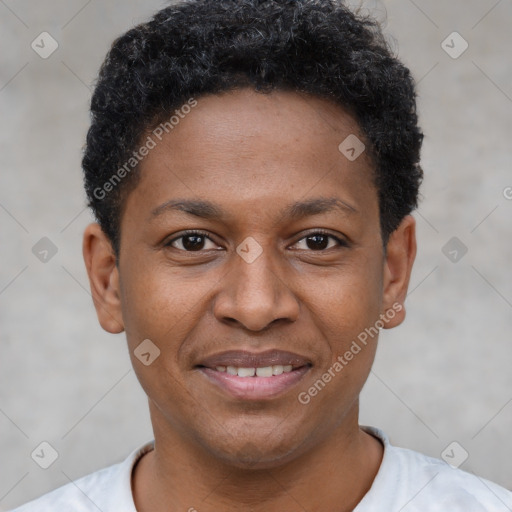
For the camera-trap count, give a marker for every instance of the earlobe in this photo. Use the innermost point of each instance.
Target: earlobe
(400, 255)
(103, 273)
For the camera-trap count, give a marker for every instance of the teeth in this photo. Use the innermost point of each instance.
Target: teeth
(246, 372)
(277, 369)
(265, 371)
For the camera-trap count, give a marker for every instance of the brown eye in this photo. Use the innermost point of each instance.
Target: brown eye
(317, 242)
(191, 241)
(320, 241)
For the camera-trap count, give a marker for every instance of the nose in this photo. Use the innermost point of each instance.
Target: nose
(255, 294)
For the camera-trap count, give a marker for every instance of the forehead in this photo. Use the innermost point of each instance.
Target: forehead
(264, 150)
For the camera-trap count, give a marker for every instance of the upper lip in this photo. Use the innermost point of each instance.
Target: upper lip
(246, 359)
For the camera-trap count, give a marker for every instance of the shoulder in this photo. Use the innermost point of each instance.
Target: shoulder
(417, 482)
(437, 481)
(80, 494)
(108, 490)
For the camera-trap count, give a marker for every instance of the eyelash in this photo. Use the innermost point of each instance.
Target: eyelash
(341, 242)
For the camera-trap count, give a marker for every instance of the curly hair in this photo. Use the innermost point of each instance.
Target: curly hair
(197, 47)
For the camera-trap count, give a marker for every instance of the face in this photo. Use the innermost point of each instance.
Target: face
(251, 244)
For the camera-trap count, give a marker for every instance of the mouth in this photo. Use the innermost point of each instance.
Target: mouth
(250, 376)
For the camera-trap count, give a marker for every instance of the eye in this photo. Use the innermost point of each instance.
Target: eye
(191, 241)
(319, 241)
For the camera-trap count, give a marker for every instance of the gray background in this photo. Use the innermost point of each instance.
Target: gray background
(443, 376)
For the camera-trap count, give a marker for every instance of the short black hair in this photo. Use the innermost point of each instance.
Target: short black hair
(198, 47)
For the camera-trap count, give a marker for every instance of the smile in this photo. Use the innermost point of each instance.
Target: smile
(264, 371)
(250, 376)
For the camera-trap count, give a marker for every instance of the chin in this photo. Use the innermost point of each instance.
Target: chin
(261, 450)
(253, 457)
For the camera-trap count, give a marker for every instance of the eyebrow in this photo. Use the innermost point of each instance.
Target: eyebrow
(293, 211)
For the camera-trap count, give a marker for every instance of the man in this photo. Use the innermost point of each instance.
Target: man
(253, 166)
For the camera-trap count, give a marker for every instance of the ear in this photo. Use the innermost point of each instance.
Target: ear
(400, 254)
(100, 261)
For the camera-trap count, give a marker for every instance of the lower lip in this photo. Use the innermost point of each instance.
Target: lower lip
(255, 388)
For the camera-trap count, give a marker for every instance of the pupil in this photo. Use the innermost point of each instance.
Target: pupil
(316, 241)
(194, 246)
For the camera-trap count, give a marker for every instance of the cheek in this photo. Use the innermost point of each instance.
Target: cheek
(161, 306)
(346, 302)
(345, 307)
(159, 303)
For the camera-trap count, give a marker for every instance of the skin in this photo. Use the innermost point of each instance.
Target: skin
(252, 155)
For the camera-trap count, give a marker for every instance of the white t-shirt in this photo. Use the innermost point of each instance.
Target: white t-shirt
(407, 481)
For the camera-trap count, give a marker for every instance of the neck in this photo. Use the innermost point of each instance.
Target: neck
(182, 474)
